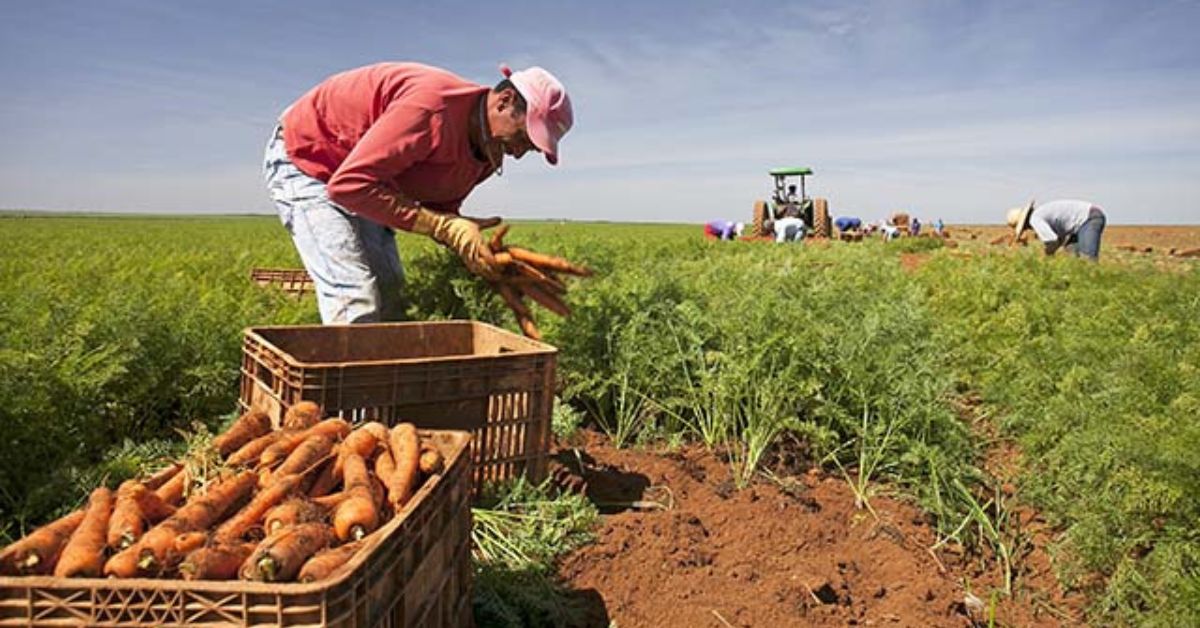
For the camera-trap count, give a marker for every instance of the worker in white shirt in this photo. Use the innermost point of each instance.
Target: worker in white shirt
(1058, 223)
(787, 229)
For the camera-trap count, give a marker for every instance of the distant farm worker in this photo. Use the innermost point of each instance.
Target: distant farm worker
(939, 226)
(399, 146)
(1062, 222)
(786, 229)
(847, 223)
(723, 229)
(888, 231)
(914, 227)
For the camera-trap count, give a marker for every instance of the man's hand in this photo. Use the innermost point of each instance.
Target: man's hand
(461, 235)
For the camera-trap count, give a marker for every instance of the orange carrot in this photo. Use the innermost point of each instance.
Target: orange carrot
(301, 416)
(172, 491)
(520, 310)
(135, 507)
(512, 299)
(329, 501)
(325, 563)
(357, 515)
(529, 328)
(123, 564)
(84, 552)
(249, 426)
(279, 450)
(188, 542)
(198, 514)
(303, 458)
(361, 441)
(529, 275)
(379, 498)
(548, 262)
(554, 286)
(153, 507)
(547, 300)
(250, 452)
(217, 562)
(431, 461)
(325, 482)
(536, 274)
(292, 512)
(496, 244)
(380, 431)
(406, 453)
(279, 557)
(334, 429)
(37, 552)
(235, 527)
(384, 467)
(163, 476)
(126, 523)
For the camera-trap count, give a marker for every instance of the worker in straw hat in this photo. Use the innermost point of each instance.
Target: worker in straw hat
(399, 146)
(1062, 222)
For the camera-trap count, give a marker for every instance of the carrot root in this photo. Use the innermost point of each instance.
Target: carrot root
(247, 427)
(83, 554)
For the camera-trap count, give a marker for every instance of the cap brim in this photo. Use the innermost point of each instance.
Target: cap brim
(541, 137)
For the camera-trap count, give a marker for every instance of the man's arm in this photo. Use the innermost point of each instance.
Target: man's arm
(401, 137)
(1045, 233)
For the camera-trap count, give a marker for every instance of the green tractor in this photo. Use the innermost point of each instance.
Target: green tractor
(785, 203)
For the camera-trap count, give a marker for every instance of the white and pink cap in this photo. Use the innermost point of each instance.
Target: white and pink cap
(548, 116)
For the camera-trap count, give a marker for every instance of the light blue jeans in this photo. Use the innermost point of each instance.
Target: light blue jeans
(353, 261)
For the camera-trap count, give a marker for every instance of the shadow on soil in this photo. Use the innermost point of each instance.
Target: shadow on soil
(594, 614)
(609, 488)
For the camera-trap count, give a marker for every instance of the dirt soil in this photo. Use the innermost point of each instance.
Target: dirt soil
(679, 545)
(912, 261)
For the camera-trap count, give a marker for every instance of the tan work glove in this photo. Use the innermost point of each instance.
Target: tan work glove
(461, 235)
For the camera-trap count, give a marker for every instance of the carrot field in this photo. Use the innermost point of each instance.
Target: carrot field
(975, 383)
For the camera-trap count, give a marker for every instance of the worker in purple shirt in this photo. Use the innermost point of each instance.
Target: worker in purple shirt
(723, 229)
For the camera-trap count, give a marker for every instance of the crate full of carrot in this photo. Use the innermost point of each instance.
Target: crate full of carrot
(293, 504)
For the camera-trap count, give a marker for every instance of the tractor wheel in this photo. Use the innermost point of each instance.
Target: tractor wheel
(760, 216)
(822, 227)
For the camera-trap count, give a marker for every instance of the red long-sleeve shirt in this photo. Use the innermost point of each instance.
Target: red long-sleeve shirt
(388, 128)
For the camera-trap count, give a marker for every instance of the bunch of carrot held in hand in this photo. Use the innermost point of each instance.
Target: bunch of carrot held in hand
(287, 504)
(534, 275)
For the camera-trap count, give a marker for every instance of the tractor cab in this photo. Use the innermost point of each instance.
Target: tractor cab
(786, 203)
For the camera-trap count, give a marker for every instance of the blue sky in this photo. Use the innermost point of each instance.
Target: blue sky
(942, 108)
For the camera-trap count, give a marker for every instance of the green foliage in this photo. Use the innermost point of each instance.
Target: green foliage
(566, 420)
(120, 329)
(1096, 368)
(520, 532)
(114, 332)
(916, 245)
(738, 344)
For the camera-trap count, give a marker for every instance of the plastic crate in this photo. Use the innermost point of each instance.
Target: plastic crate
(460, 375)
(291, 280)
(415, 572)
